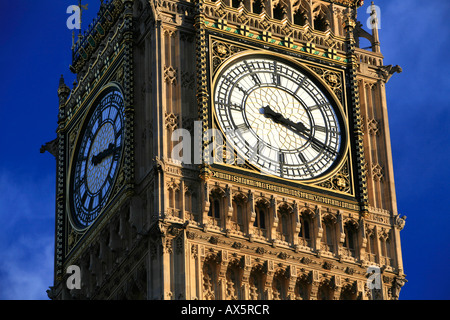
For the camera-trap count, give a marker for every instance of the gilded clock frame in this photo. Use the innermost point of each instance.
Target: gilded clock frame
(344, 162)
(72, 163)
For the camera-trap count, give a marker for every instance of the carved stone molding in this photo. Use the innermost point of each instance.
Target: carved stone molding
(170, 75)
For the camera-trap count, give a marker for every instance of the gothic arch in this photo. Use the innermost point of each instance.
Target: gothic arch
(174, 197)
(371, 247)
(302, 288)
(322, 17)
(191, 204)
(385, 247)
(279, 285)
(307, 228)
(351, 228)
(258, 6)
(349, 292)
(325, 290)
(279, 9)
(329, 239)
(217, 205)
(301, 12)
(285, 222)
(240, 211)
(262, 222)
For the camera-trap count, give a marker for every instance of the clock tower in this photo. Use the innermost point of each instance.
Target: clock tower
(234, 149)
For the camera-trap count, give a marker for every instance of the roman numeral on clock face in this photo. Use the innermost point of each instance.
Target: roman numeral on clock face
(242, 127)
(320, 129)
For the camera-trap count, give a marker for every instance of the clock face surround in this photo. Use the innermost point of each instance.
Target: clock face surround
(278, 118)
(97, 158)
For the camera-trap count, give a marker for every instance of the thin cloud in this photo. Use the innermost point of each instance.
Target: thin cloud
(26, 237)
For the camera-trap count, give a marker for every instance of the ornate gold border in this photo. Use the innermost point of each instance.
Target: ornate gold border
(343, 114)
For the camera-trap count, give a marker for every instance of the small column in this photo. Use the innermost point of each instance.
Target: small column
(375, 23)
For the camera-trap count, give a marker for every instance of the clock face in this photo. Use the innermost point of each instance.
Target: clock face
(277, 118)
(98, 158)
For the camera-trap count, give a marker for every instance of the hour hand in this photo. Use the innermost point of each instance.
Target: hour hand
(96, 160)
(270, 114)
(298, 127)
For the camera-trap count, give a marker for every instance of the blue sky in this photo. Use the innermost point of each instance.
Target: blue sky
(35, 51)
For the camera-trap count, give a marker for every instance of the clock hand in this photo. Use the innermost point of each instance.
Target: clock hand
(270, 114)
(96, 160)
(278, 118)
(298, 128)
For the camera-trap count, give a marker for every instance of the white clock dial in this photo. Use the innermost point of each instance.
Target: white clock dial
(277, 118)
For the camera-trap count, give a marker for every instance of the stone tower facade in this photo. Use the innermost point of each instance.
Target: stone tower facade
(165, 228)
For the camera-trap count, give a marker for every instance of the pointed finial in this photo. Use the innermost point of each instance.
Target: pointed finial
(63, 90)
(61, 81)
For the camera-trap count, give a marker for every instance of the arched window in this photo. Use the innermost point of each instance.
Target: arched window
(348, 292)
(178, 204)
(321, 21)
(301, 17)
(216, 203)
(324, 292)
(278, 11)
(278, 288)
(257, 6)
(171, 198)
(385, 244)
(388, 248)
(283, 225)
(190, 205)
(301, 289)
(306, 232)
(350, 231)
(236, 3)
(371, 245)
(328, 235)
(260, 220)
(187, 201)
(174, 198)
(215, 209)
(239, 212)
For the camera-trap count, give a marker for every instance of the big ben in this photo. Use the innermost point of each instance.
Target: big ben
(227, 150)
